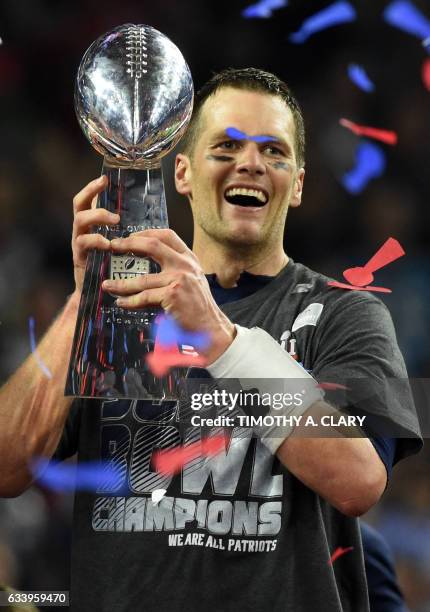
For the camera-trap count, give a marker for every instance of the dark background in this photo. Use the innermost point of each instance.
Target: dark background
(45, 160)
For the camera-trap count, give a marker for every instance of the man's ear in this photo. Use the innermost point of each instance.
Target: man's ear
(296, 196)
(183, 174)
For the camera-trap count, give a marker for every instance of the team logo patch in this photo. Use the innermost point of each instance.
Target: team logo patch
(302, 288)
(309, 316)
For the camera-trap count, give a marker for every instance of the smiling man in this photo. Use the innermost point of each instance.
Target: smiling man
(255, 526)
(239, 216)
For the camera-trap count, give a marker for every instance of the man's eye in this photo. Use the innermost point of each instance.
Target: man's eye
(227, 144)
(274, 150)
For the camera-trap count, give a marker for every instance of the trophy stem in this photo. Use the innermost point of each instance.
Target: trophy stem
(137, 195)
(111, 344)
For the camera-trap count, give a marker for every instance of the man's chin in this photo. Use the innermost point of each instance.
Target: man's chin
(238, 235)
(243, 237)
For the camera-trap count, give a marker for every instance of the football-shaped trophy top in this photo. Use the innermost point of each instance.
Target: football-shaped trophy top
(134, 95)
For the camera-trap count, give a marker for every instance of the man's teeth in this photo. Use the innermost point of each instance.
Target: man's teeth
(255, 193)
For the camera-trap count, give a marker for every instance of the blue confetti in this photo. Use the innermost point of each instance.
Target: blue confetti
(405, 16)
(42, 366)
(263, 9)
(339, 12)
(170, 333)
(112, 337)
(236, 134)
(263, 138)
(70, 477)
(358, 75)
(370, 164)
(89, 330)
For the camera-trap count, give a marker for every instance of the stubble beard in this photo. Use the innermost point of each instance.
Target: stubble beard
(241, 244)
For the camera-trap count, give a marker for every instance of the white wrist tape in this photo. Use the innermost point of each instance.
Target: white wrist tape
(254, 356)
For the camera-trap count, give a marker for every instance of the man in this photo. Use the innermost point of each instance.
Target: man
(255, 526)
(384, 592)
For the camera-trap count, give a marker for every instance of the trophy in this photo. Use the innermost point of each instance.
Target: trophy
(133, 100)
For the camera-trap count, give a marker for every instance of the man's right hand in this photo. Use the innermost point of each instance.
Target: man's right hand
(87, 215)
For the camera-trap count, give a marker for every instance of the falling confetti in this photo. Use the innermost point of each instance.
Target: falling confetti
(425, 73)
(405, 16)
(163, 358)
(263, 9)
(70, 477)
(360, 276)
(363, 275)
(339, 552)
(171, 461)
(157, 496)
(339, 12)
(331, 386)
(169, 333)
(236, 134)
(358, 75)
(386, 136)
(34, 350)
(370, 164)
(356, 288)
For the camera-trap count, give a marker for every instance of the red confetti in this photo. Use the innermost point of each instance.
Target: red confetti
(363, 275)
(354, 288)
(386, 136)
(331, 386)
(338, 553)
(171, 461)
(165, 357)
(214, 445)
(160, 363)
(425, 73)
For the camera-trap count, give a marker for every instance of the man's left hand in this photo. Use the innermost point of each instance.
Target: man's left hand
(181, 287)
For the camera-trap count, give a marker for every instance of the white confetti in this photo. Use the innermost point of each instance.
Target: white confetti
(158, 495)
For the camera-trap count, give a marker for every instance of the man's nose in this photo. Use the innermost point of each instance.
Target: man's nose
(250, 160)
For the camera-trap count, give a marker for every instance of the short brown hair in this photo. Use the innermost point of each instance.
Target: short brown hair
(251, 79)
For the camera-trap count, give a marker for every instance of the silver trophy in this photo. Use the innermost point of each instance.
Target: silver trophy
(133, 100)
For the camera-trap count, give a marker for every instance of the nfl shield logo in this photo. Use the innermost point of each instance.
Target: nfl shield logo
(127, 266)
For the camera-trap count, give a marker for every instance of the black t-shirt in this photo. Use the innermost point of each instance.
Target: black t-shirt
(237, 531)
(248, 284)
